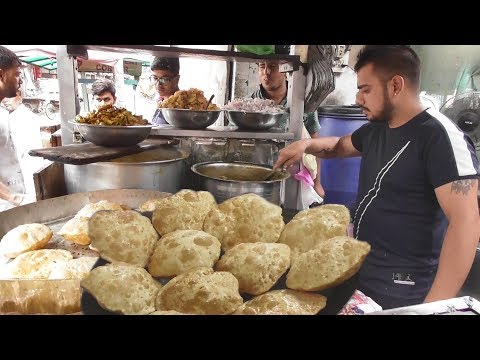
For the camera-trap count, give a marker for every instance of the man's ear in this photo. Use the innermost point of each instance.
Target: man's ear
(2, 72)
(398, 83)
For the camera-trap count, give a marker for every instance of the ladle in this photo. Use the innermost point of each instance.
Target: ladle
(209, 101)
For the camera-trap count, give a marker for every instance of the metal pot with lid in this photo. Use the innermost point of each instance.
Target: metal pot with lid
(162, 169)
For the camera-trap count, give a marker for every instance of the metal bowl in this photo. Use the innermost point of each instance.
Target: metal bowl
(113, 136)
(255, 120)
(190, 119)
(226, 180)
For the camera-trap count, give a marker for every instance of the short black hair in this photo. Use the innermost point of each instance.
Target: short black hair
(391, 60)
(8, 59)
(102, 85)
(282, 49)
(166, 64)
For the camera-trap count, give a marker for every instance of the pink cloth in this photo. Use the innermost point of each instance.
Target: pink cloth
(359, 304)
(304, 175)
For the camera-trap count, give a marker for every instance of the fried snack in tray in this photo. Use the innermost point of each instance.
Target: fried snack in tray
(123, 288)
(23, 238)
(122, 236)
(328, 264)
(247, 218)
(313, 226)
(185, 210)
(257, 266)
(191, 99)
(200, 291)
(182, 250)
(76, 229)
(111, 115)
(283, 302)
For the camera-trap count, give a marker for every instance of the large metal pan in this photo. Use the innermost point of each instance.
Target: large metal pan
(63, 207)
(56, 296)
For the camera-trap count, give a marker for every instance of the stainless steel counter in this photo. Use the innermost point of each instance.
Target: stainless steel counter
(457, 306)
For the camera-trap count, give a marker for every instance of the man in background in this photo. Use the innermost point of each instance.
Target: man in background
(103, 91)
(24, 127)
(165, 76)
(273, 86)
(12, 188)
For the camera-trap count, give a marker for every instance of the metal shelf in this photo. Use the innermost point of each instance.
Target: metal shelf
(222, 132)
(289, 62)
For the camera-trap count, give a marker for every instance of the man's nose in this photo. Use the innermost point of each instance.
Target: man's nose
(358, 99)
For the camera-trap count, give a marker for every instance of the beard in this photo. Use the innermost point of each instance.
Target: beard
(12, 92)
(386, 111)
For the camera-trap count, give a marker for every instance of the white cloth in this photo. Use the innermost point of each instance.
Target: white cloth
(19, 133)
(10, 171)
(307, 195)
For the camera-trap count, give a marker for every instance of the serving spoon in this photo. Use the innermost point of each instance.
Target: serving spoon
(209, 101)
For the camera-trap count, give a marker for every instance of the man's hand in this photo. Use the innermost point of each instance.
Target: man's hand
(291, 154)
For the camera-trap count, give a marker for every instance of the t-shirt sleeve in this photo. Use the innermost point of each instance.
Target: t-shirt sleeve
(311, 122)
(449, 156)
(360, 135)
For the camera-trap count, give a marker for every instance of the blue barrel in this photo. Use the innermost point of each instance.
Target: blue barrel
(339, 177)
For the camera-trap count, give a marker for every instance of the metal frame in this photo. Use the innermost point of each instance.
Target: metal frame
(68, 81)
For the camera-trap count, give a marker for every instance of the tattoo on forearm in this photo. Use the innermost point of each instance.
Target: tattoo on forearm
(462, 186)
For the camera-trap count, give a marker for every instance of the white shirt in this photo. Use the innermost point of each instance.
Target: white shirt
(23, 128)
(10, 170)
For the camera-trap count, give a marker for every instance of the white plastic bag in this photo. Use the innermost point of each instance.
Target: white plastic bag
(305, 176)
(308, 195)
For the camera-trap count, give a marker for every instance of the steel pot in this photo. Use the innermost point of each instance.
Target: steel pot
(226, 180)
(161, 169)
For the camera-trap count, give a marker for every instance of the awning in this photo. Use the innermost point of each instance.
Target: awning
(45, 62)
(97, 62)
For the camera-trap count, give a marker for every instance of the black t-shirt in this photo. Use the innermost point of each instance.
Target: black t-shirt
(397, 210)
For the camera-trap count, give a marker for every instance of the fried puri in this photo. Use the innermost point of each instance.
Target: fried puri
(185, 210)
(200, 291)
(25, 238)
(257, 266)
(123, 289)
(36, 264)
(76, 229)
(73, 269)
(283, 302)
(311, 227)
(328, 264)
(182, 250)
(122, 236)
(246, 218)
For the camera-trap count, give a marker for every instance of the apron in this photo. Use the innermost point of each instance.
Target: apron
(10, 170)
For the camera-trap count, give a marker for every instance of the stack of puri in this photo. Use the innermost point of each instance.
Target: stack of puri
(211, 257)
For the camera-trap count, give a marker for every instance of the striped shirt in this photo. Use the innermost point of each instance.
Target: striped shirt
(310, 120)
(397, 209)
